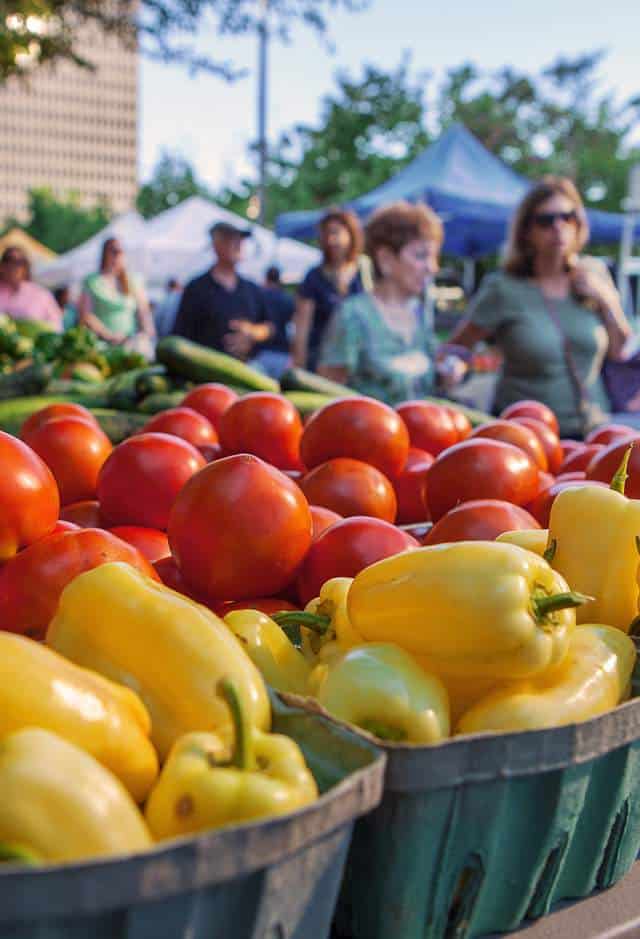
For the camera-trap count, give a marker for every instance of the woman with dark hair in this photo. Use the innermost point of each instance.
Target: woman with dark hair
(554, 317)
(112, 304)
(19, 296)
(326, 285)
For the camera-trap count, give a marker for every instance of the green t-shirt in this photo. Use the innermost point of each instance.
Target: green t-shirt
(380, 361)
(116, 310)
(512, 311)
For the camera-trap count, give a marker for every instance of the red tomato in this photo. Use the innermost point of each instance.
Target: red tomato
(606, 463)
(211, 451)
(570, 446)
(549, 440)
(545, 480)
(211, 399)
(540, 508)
(480, 469)
(610, 433)
(265, 424)
(83, 514)
(268, 605)
(358, 428)
(411, 488)
(431, 426)
(31, 583)
(535, 409)
(479, 520)
(347, 548)
(351, 487)
(461, 422)
(239, 529)
(52, 411)
(74, 450)
(141, 479)
(29, 499)
(575, 474)
(169, 573)
(518, 435)
(61, 525)
(185, 423)
(150, 542)
(580, 459)
(322, 518)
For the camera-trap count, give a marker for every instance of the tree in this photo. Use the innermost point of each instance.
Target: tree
(369, 128)
(173, 181)
(61, 224)
(40, 31)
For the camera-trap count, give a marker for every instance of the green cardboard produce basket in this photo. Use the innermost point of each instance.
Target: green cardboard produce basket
(480, 833)
(277, 879)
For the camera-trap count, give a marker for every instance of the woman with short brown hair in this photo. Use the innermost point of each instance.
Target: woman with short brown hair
(554, 316)
(19, 296)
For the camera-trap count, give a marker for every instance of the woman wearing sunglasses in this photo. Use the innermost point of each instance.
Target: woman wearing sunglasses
(112, 303)
(554, 317)
(19, 296)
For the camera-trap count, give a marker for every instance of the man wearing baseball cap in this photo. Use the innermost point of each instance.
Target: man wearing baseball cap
(219, 308)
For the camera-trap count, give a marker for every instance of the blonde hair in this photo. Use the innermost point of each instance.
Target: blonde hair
(396, 225)
(122, 277)
(519, 255)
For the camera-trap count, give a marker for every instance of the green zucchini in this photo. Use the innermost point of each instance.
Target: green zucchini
(308, 401)
(299, 379)
(151, 385)
(30, 380)
(200, 364)
(474, 416)
(116, 424)
(154, 403)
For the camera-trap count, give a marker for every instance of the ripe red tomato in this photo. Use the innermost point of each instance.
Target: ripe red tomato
(150, 542)
(350, 487)
(358, 428)
(480, 468)
(185, 423)
(518, 435)
(580, 459)
(74, 450)
(239, 529)
(431, 427)
(411, 488)
(29, 499)
(141, 479)
(265, 424)
(575, 474)
(211, 451)
(606, 463)
(479, 520)
(347, 548)
(62, 409)
(61, 525)
(268, 605)
(461, 422)
(540, 508)
(549, 440)
(570, 446)
(322, 518)
(535, 409)
(32, 581)
(610, 433)
(544, 481)
(84, 514)
(211, 399)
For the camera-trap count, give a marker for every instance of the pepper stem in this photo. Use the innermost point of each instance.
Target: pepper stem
(619, 480)
(550, 551)
(316, 622)
(544, 605)
(242, 756)
(12, 851)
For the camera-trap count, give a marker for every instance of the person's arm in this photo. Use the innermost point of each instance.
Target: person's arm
(302, 321)
(145, 317)
(590, 285)
(468, 334)
(486, 313)
(86, 317)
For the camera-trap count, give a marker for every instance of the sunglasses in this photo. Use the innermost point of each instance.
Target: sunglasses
(547, 219)
(15, 261)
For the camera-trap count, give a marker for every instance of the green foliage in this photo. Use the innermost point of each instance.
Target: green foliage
(173, 181)
(61, 224)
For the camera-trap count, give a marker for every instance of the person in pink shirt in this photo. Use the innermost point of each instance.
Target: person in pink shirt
(19, 296)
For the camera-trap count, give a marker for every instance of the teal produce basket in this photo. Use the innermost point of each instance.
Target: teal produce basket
(277, 879)
(480, 833)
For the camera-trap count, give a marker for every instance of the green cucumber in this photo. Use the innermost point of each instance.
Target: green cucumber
(299, 379)
(30, 380)
(116, 424)
(201, 364)
(161, 401)
(308, 401)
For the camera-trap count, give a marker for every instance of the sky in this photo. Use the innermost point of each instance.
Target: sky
(211, 123)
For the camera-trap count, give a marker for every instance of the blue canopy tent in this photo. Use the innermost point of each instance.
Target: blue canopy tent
(473, 191)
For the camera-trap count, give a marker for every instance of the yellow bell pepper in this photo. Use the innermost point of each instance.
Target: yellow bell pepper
(324, 619)
(593, 678)
(59, 804)
(531, 539)
(472, 608)
(594, 534)
(281, 665)
(206, 784)
(383, 690)
(170, 650)
(40, 688)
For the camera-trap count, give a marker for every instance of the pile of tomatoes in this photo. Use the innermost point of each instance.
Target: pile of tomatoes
(233, 501)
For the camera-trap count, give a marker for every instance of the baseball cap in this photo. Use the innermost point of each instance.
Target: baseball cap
(226, 228)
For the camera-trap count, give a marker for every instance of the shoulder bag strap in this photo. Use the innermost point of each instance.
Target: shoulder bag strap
(582, 398)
